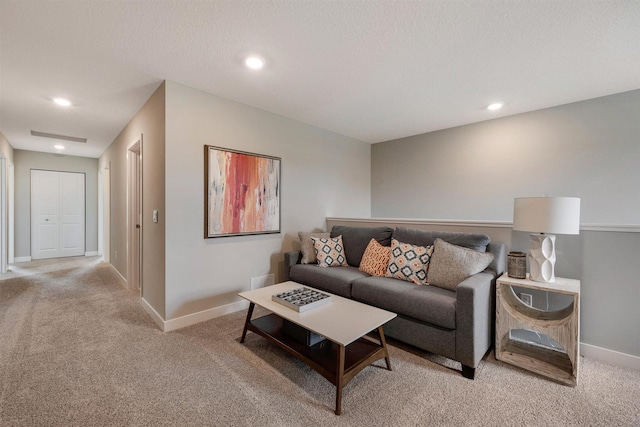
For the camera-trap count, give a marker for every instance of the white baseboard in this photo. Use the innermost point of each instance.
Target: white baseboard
(119, 275)
(192, 319)
(611, 357)
(91, 253)
(201, 316)
(22, 259)
(153, 313)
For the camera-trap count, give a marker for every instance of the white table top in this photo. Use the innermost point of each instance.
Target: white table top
(561, 285)
(342, 320)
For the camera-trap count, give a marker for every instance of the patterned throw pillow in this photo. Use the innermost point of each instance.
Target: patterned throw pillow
(330, 251)
(409, 262)
(451, 264)
(375, 258)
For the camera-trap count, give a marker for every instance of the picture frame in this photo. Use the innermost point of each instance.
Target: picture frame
(242, 193)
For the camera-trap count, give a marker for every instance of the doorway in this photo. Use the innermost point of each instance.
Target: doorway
(57, 214)
(134, 215)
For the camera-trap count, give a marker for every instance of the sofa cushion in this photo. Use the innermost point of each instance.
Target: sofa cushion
(477, 242)
(330, 252)
(409, 262)
(425, 303)
(336, 280)
(356, 239)
(375, 259)
(306, 246)
(451, 264)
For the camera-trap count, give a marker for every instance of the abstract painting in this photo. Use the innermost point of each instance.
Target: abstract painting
(242, 193)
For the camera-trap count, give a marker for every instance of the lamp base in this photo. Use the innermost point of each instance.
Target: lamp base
(542, 258)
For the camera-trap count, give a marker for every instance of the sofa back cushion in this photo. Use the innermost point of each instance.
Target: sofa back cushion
(477, 242)
(356, 239)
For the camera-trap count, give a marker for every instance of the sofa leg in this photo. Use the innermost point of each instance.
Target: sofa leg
(468, 372)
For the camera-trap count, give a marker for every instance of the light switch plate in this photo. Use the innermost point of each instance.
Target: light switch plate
(155, 215)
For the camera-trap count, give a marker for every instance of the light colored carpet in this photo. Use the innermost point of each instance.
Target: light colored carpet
(76, 349)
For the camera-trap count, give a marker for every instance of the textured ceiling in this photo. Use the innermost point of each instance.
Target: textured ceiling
(372, 70)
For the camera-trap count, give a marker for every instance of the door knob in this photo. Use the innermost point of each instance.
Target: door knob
(137, 225)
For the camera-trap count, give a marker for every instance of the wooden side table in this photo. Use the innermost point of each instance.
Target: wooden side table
(554, 350)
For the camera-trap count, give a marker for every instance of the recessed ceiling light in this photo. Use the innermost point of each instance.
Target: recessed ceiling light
(62, 102)
(58, 147)
(254, 62)
(495, 106)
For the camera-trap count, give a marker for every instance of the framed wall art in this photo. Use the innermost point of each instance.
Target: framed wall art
(242, 193)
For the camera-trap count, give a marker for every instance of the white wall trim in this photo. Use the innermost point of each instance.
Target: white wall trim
(91, 253)
(621, 228)
(22, 259)
(611, 357)
(201, 316)
(153, 313)
(407, 221)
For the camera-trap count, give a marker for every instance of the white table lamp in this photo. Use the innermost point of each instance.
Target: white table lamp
(553, 215)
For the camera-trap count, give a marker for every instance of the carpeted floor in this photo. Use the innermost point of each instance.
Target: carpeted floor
(77, 349)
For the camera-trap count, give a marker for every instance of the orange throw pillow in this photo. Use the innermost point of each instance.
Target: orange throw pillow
(375, 259)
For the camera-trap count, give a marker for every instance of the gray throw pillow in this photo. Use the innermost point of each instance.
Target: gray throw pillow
(451, 264)
(307, 249)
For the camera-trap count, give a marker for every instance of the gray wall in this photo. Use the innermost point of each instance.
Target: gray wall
(150, 123)
(323, 174)
(589, 149)
(24, 161)
(6, 150)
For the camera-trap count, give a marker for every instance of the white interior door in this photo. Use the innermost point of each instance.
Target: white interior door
(57, 214)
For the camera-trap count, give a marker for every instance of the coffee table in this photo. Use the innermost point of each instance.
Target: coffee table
(343, 322)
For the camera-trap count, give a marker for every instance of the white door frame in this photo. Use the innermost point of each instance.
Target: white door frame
(11, 241)
(4, 241)
(106, 216)
(134, 215)
(100, 212)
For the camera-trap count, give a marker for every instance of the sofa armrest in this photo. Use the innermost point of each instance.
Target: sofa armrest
(290, 259)
(475, 315)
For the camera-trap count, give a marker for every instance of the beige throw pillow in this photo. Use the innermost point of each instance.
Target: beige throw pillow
(451, 264)
(307, 249)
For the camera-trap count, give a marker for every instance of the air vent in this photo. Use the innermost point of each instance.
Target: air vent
(54, 136)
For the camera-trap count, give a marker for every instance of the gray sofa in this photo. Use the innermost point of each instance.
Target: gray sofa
(455, 324)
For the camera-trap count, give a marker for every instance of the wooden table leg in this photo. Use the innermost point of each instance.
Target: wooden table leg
(339, 379)
(383, 342)
(246, 322)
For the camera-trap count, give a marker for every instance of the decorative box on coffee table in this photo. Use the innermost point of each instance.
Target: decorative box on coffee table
(542, 341)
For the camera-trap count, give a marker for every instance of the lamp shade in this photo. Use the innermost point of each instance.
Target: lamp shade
(553, 215)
